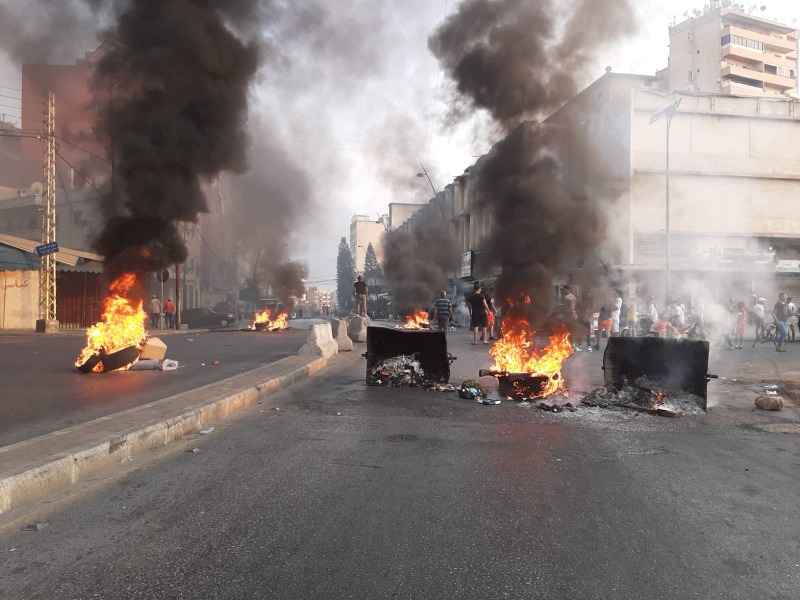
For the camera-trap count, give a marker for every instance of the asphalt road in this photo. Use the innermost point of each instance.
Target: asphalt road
(355, 492)
(41, 391)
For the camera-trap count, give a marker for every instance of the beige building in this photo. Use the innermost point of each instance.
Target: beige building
(365, 231)
(730, 52)
(734, 186)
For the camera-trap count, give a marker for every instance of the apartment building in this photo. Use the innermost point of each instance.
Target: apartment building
(734, 184)
(730, 52)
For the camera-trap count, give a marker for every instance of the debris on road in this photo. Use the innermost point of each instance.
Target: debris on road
(398, 371)
(646, 395)
(769, 402)
(36, 526)
(193, 450)
(148, 364)
(440, 387)
(169, 365)
(206, 431)
(471, 390)
(488, 402)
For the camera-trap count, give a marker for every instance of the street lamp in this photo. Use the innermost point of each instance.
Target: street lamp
(667, 112)
(424, 174)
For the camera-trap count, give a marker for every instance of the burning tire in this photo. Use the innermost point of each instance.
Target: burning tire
(121, 358)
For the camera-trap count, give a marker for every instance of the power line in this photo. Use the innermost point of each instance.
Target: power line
(210, 249)
(12, 97)
(8, 87)
(82, 149)
(66, 194)
(81, 175)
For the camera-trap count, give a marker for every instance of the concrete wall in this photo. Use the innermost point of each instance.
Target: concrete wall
(19, 299)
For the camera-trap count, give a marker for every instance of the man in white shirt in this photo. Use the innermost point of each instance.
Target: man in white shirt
(615, 312)
(758, 311)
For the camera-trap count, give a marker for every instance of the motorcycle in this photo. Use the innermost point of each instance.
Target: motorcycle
(676, 331)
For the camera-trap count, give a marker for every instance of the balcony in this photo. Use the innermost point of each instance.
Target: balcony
(754, 78)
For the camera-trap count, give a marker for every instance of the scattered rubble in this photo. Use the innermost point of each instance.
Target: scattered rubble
(206, 431)
(36, 526)
(439, 387)
(398, 371)
(646, 395)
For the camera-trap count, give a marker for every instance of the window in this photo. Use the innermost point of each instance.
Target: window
(691, 76)
(738, 40)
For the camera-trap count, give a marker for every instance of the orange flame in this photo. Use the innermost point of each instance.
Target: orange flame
(280, 322)
(417, 320)
(121, 326)
(516, 352)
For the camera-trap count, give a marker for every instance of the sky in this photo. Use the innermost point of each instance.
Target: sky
(353, 98)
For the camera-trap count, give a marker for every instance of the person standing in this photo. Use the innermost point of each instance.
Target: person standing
(616, 312)
(360, 291)
(169, 313)
(780, 315)
(478, 309)
(632, 315)
(791, 322)
(490, 316)
(443, 310)
(571, 312)
(586, 319)
(155, 311)
(758, 311)
(741, 321)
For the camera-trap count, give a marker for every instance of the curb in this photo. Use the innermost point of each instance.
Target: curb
(56, 471)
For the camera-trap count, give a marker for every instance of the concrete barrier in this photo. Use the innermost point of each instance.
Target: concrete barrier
(339, 328)
(357, 329)
(320, 342)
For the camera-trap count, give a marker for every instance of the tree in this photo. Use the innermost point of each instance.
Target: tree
(372, 270)
(345, 276)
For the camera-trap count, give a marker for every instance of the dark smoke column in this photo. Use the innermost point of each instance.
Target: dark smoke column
(520, 60)
(178, 116)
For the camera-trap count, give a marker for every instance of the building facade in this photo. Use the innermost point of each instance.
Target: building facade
(734, 184)
(363, 232)
(730, 52)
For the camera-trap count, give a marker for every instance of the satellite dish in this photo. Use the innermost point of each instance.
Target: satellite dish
(37, 188)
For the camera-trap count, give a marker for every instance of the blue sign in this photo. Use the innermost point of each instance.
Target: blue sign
(45, 249)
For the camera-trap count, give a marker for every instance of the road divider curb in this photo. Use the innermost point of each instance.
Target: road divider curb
(32, 469)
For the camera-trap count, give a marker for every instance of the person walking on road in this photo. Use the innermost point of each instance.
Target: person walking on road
(478, 309)
(443, 309)
(360, 291)
(155, 311)
(780, 315)
(169, 313)
(490, 320)
(758, 311)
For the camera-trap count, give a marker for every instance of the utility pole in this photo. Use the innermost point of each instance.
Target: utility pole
(47, 322)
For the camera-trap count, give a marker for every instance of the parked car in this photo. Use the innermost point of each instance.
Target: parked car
(197, 318)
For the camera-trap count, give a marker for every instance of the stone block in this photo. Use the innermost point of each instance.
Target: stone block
(357, 328)
(320, 342)
(769, 403)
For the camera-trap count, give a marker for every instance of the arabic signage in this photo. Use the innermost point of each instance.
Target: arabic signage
(743, 255)
(466, 264)
(46, 249)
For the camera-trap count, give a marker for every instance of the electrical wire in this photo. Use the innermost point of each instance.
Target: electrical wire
(82, 149)
(66, 194)
(210, 249)
(81, 175)
(8, 87)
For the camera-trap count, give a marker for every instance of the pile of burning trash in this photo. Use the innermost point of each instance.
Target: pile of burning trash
(120, 341)
(416, 320)
(263, 322)
(398, 371)
(644, 394)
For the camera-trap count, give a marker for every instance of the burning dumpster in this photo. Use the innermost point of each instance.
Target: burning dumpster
(419, 350)
(673, 364)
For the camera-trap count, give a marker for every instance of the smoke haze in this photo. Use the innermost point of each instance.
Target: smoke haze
(521, 60)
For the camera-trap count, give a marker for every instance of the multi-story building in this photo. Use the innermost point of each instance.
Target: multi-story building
(734, 183)
(363, 232)
(728, 51)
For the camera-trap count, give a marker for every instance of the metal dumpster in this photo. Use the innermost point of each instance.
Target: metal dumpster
(430, 348)
(679, 364)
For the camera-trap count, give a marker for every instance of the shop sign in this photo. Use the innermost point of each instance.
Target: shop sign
(466, 264)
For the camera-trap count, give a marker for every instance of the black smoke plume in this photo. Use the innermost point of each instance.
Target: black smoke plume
(178, 116)
(288, 283)
(416, 264)
(522, 59)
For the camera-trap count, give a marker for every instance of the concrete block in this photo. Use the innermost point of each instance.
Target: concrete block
(154, 349)
(357, 329)
(320, 342)
(339, 329)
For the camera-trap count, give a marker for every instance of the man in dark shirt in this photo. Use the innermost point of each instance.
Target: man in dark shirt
(478, 309)
(443, 310)
(360, 291)
(781, 315)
